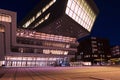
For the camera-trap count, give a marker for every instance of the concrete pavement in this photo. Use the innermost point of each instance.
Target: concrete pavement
(62, 73)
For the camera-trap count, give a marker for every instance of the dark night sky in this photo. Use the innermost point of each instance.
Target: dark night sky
(107, 24)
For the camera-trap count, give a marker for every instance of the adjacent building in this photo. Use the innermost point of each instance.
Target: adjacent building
(48, 35)
(93, 49)
(115, 52)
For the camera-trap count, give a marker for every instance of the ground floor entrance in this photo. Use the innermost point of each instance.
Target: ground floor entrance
(35, 61)
(29, 63)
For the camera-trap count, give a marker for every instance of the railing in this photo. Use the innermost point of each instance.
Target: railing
(43, 36)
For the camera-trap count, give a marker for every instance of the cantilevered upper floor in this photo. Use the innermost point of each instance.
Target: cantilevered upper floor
(71, 18)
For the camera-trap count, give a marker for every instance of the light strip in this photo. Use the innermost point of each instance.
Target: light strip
(38, 14)
(44, 36)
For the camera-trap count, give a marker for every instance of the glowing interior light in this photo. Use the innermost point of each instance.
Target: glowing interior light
(80, 11)
(54, 0)
(44, 36)
(56, 52)
(42, 20)
(29, 22)
(47, 16)
(39, 14)
(5, 18)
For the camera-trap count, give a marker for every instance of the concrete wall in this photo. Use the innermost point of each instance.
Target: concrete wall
(2, 49)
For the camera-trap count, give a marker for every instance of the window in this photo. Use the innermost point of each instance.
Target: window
(100, 44)
(94, 42)
(42, 20)
(95, 55)
(56, 52)
(54, 44)
(94, 50)
(5, 18)
(38, 14)
(38, 35)
(81, 10)
(29, 22)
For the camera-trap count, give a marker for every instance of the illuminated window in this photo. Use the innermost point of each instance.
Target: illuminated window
(95, 55)
(67, 10)
(44, 36)
(38, 14)
(76, 9)
(73, 6)
(54, 44)
(81, 12)
(42, 20)
(47, 16)
(56, 52)
(94, 50)
(5, 18)
(48, 5)
(29, 22)
(69, 3)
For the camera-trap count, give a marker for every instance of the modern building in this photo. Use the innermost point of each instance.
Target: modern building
(94, 50)
(73, 15)
(47, 36)
(115, 52)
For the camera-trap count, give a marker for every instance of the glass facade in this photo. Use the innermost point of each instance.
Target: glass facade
(55, 44)
(44, 36)
(52, 41)
(5, 18)
(31, 58)
(56, 52)
(81, 12)
(31, 61)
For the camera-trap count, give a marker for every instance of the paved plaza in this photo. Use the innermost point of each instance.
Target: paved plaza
(61, 73)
